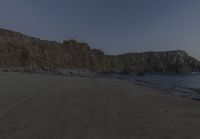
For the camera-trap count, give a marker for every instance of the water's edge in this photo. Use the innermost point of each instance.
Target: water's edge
(183, 91)
(187, 92)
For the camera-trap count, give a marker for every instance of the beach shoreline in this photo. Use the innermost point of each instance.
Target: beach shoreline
(45, 106)
(190, 93)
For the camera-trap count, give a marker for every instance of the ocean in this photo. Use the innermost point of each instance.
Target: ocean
(186, 85)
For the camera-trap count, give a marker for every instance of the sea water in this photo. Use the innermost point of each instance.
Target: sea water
(187, 84)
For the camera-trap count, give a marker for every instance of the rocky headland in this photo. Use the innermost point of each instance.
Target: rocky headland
(20, 52)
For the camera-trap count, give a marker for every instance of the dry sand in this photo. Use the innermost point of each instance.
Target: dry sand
(54, 107)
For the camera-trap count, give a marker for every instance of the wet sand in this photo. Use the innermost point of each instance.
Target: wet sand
(34, 106)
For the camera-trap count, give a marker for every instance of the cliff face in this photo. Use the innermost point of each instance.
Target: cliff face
(18, 51)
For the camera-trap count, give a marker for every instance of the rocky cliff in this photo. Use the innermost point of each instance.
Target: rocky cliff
(18, 51)
(169, 61)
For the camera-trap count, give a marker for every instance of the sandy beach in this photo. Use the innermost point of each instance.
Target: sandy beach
(34, 106)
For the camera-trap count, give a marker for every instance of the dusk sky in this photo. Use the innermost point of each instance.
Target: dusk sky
(115, 26)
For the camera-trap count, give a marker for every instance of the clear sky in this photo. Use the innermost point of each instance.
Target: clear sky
(115, 26)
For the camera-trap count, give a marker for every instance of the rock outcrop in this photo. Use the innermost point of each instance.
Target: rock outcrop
(21, 52)
(170, 61)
